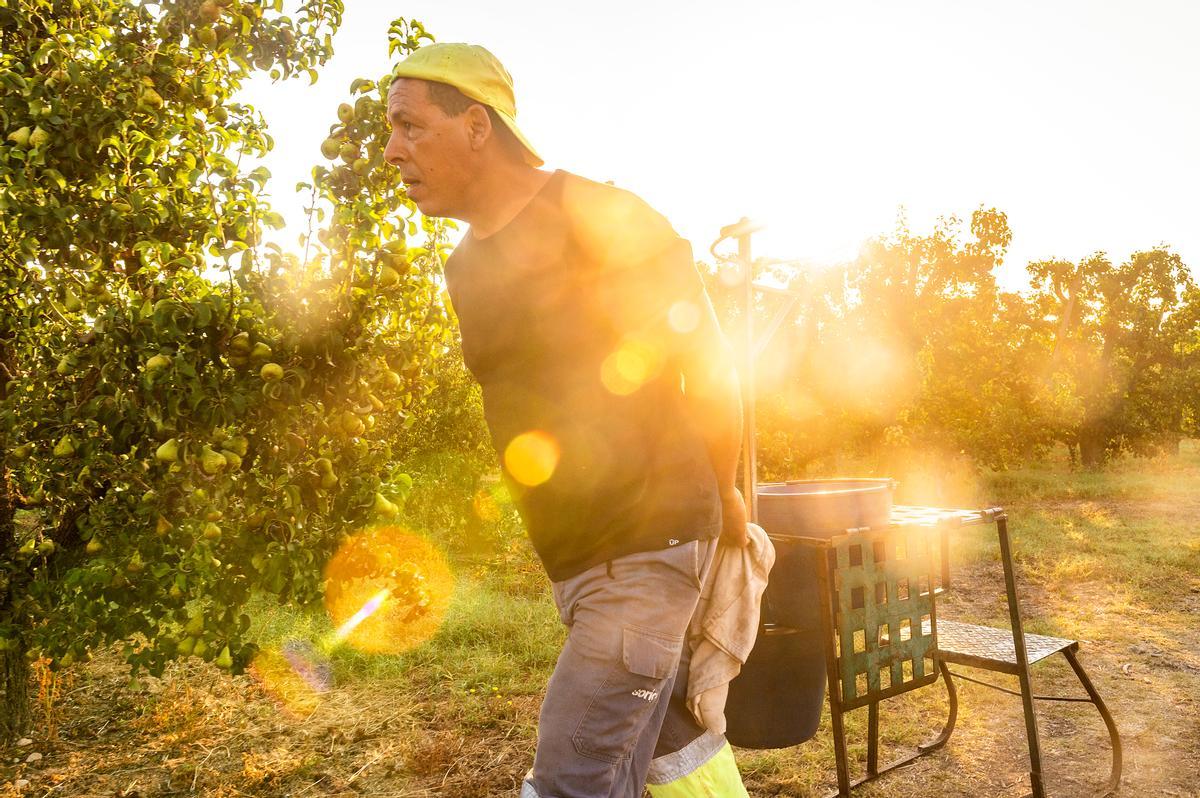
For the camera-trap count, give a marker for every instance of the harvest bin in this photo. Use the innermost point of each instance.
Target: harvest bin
(776, 700)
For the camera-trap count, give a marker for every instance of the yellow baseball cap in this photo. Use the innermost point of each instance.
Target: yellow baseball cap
(476, 73)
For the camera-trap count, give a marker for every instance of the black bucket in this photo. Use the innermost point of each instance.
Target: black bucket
(776, 700)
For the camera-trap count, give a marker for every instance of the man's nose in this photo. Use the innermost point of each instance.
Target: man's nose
(394, 152)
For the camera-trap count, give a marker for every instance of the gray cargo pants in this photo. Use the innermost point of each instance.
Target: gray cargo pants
(614, 701)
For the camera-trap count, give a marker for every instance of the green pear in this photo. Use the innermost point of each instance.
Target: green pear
(323, 465)
(237, 444)
(224, 660)
(65, 447)
(151, 99)
(260, 351)
(211, 531)
(294, 444)
(38, 137)
(232, 459)
(352, 424)
(210, 461)
(240, 343)
(71, 300)
(168, 452)
(388, 277)
(348, 152)
(210, 11)
(195, 624)
(391, 379)
(162, 526)
(20, 136)
(345, 113)
(157, 362)
(22, 451)
(186, 645)
(330, 147)
(271, 372)
(328, 480)
(384, 507)
(360, 166)
(45, 547)
(94, 546)
(200, 649)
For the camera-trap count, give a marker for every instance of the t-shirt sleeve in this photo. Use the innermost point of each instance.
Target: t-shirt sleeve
(649, 284)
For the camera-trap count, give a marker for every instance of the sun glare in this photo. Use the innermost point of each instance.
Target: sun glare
(387, 591)
(629, 367)
(532, 457)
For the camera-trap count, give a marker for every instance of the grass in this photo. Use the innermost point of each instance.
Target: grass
(1110, 557)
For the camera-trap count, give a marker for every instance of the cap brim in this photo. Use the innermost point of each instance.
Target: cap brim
(531, 155)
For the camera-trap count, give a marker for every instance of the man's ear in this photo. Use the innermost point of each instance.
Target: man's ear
(479, 126)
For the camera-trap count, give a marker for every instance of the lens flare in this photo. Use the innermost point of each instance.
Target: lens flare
(531, 457)
(296, 675)
(629, 367)
(387, 590)
(683, 316)
(374, 603)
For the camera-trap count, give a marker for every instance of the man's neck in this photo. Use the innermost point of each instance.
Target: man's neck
(502, 193)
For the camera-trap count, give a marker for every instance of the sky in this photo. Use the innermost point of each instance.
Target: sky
(825, 120)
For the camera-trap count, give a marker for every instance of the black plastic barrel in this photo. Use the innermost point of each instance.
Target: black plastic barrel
(776, 700)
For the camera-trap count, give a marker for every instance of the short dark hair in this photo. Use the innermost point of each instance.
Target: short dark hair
(453, 102)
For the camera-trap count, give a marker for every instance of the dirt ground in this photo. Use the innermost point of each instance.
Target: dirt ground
(199, 731)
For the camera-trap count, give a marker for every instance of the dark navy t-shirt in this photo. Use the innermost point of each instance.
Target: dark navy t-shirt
(575, 318)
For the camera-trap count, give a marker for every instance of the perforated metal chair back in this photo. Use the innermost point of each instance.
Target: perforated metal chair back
(885, 614)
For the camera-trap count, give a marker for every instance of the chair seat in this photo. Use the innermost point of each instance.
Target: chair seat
(990, 648)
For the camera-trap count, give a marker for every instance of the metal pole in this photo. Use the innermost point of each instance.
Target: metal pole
(1022, 657)
(749, 478)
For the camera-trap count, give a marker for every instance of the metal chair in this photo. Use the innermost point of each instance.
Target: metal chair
(883, 636)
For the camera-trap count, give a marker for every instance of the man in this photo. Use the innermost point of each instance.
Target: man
(612, 400)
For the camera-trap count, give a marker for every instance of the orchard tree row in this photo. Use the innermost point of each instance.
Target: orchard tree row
(914, 348)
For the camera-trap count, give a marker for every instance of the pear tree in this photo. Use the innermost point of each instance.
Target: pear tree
(170, 442)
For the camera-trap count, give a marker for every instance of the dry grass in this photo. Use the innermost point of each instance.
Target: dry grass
(1112, 559)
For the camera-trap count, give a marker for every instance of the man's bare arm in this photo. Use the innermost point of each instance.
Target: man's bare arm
(712, 394)
(714, 403)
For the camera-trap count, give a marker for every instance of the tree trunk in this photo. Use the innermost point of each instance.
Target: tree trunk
(14, 708)
(1091, 448)
(14, 714)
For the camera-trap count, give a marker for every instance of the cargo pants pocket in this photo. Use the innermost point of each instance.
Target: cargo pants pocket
(623, 704)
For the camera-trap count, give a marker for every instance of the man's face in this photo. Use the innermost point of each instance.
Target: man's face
(431, 149)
